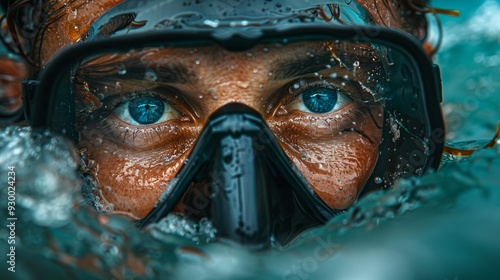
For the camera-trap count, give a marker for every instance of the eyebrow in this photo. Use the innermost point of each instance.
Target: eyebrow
(302, 66)
(172, 73)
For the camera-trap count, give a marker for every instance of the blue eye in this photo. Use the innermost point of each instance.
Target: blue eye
(320, 100)
(146, 110)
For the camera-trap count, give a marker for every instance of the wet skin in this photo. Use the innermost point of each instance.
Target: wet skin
(335, 150)
(11, 74)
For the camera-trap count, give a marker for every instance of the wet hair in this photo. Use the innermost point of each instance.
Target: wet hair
(28, 21)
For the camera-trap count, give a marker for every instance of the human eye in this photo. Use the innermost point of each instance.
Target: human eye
(317, 97)
(145, 110)
(140, 119)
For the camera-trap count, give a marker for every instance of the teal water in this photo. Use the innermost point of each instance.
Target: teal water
(470, 63)
(441, 226)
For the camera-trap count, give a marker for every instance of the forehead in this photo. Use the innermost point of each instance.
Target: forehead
(75, 18)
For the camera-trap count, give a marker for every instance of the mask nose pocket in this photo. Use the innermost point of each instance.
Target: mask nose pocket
(239, 178)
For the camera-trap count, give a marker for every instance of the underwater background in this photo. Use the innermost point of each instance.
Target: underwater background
(444, 225)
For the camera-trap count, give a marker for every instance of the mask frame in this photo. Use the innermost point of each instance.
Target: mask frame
(414, 156)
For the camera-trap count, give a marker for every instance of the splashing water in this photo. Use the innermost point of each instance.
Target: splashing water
(440, 220)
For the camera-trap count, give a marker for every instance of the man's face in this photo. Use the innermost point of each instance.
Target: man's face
(329, 134)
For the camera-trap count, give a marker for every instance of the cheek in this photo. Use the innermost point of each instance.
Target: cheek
(335, 158)
(337, 172)
(132, 181)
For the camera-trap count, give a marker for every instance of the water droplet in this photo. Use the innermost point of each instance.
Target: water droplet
(270, 73)
(355, 64)
(86, 87)
(255, 71)
(296, 86)
(378, 180)
(334, 75)
(150, 75)
(121, 69)
(265, 50)
(232, 67)
(118, 85)
(197, 62)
